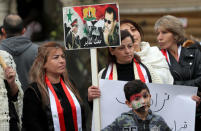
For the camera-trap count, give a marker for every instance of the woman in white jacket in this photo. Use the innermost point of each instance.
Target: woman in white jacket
(11, 94)
(149, 55)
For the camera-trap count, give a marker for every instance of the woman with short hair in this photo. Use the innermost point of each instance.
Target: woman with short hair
(184, 63)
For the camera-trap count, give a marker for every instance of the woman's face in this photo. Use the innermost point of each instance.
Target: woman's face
(165, 38)
(124, 53)
(133, 31)
(56, 63)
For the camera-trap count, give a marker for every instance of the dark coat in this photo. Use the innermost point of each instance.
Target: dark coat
(40, 118)
(188, 70)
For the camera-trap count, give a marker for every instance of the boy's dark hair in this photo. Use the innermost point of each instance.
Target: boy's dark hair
(13, 25)
(134, 87)
(110, 10)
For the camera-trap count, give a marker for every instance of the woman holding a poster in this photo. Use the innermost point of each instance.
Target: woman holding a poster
(184, 62)
(51, 102)
(124, 65)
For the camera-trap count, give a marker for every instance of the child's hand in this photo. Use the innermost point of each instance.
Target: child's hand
(197, 100)
(93, 92)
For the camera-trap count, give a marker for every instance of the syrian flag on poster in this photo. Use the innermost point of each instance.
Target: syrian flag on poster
(91, 26)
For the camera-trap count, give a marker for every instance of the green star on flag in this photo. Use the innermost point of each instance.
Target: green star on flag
(69, 15)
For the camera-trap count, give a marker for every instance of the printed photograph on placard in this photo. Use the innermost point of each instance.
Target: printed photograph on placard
(91, 26)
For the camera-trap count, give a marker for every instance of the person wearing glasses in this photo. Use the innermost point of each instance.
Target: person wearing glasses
(111, 28)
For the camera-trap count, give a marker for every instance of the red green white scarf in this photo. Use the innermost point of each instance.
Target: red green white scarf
(139, 72)
(57, 110)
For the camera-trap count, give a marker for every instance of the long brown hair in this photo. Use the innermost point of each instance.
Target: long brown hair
(37, 72)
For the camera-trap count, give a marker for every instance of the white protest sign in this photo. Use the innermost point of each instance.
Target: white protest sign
(172, 102)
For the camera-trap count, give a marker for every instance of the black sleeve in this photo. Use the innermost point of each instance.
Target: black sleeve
(84, 117)
(104, 73)
(33, 114)
(90, 104)
(11, 98)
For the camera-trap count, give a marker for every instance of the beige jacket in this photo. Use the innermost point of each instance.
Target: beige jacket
(4, 109)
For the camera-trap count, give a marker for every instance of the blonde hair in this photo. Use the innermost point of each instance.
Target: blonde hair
(173, 25)
(37, 72)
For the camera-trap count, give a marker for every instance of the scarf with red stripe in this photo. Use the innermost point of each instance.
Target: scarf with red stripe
(57, 109)
(139, 72)
(166, 54)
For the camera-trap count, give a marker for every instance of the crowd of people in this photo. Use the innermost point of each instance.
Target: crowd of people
(36, 93)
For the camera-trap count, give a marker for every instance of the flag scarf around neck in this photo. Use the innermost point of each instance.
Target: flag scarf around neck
(57, 110)
(166, 54)
(139, 72)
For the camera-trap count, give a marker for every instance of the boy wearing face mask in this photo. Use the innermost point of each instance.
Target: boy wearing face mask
(140, 118)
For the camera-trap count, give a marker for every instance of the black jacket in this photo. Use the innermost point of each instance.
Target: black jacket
(35, 116)
(188, 70)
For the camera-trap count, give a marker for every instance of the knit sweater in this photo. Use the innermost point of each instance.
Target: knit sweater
(4, 110)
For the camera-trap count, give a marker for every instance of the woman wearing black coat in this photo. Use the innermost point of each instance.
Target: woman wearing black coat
(51, 103)
(184, 62)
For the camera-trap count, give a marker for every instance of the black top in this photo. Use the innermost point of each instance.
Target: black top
(188, 70)
(36, 117)
(125, 72)
(65, 105)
